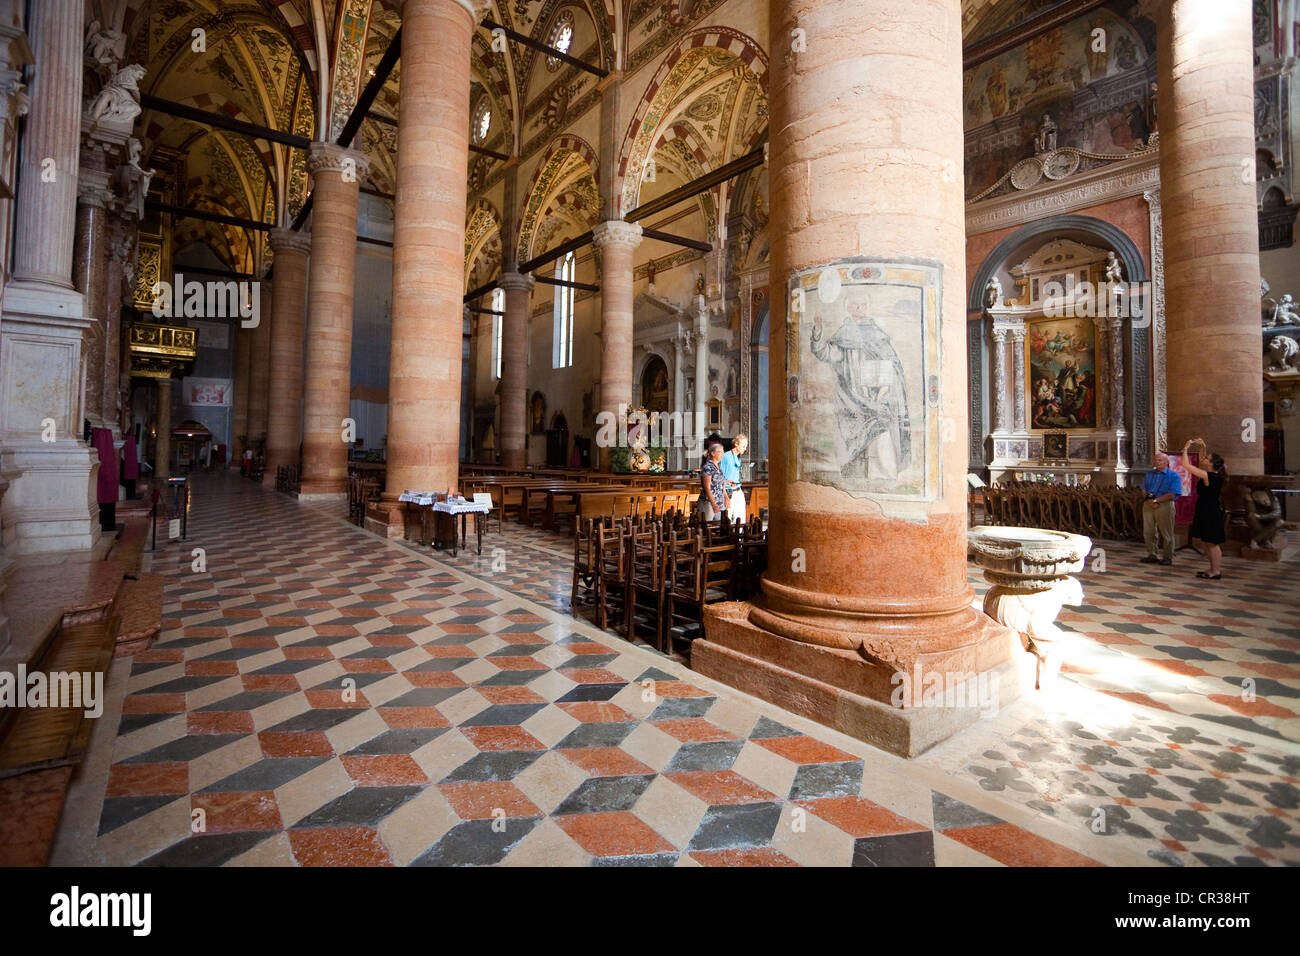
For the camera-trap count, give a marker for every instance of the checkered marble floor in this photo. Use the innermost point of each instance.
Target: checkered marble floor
(320, 696)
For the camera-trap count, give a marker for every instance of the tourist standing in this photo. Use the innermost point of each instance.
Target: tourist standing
(1208, 520)
(1162, 486)
(731, 477)
(713, 496)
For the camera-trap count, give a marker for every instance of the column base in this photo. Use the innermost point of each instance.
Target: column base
(318, 497)
(892, 710)
(49, 509)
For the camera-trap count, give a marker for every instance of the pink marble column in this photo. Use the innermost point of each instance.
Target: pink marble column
(428, 253)
(259, 367)
(514, 367)
(110, 385)
(90, 259)
(162, 459)
(1211, 237)
(617, 242)
(284, 428)
(239, 412)
(336, 174)
(867, 582)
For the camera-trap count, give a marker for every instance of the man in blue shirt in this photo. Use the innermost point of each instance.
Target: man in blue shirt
(731, 476)
(1162, 486)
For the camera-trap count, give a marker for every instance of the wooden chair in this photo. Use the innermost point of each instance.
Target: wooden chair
(645, 581)
(611, 572)
(709, 577)
(584, 563)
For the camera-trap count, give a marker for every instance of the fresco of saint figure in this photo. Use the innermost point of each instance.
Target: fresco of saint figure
(871, 397)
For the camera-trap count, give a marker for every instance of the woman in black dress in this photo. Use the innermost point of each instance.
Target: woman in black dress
(1208, 521)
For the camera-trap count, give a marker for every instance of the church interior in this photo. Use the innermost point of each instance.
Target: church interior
(922, 493)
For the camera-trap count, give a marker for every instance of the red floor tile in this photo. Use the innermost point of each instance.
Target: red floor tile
(613, 834)
(486, 800)
(339, 846)
(384, 770)
(234, 811)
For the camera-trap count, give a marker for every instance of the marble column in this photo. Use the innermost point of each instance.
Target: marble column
(119, 250)
(284, 413)
(50, 506)
(89, 262)
(514, 367)
(259, 365)
(1115, 339)
(701, 408)
(162, 458)
(239, 412)
(424, 369)
(1018, 383)
(676, 453)
(1211, 242)
(1001, 411)
(866, 593)
(1101, 330)
(336, 174)
(617, 242)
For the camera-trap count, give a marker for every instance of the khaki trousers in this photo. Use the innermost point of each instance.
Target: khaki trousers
(1161, 519)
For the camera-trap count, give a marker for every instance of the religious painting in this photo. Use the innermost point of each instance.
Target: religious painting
(537, 413)
(864, 386)
(1056, 446)
(1061, 374)
(656, 391)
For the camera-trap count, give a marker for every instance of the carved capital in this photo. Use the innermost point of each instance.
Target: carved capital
(616, 232)
(514, 282)
(286, 240)
(330, 158)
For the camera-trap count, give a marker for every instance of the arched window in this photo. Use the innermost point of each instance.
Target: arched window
(498, 320)
(561, 37)
(562, 349)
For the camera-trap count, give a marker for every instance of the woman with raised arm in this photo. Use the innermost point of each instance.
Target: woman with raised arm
(1208, 520)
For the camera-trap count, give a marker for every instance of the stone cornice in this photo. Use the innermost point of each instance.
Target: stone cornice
(1118, 180)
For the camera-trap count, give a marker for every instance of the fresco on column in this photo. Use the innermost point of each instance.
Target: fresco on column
(863, 378)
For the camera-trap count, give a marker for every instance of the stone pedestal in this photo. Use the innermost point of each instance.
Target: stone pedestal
(514, 367)
(284, 415)
(49, 508)
(866, 584)
(336, 173)
(424, 369)
(1211, 239)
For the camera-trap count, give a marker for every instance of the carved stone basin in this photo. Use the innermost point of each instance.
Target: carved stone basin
(1027, 558)
(1030, 570)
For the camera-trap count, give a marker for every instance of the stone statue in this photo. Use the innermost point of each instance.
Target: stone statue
(699, 283)
(1263, 287)
(993, 292)
(1045, 142)
(1284, 312)
(1285, 354)
(1263, 517)
(105, 46)
(1114, 269)
(118, 103)
(134, 180)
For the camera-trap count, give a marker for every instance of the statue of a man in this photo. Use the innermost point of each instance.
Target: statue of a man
(1284, 312)
(993, 292)
(1046, 141)
(1114, 270)
(119, 101)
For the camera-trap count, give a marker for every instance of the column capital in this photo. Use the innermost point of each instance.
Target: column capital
(616, 232)
(515, 282)
(1000, 333)
(477, 9)
(91, 193)
(329, 157)
(287, 240)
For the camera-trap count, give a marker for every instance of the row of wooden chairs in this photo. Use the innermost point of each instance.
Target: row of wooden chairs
(651, 575)
(1112, 513)
(361, 491)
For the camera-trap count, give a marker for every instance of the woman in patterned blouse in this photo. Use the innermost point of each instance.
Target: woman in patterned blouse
(713, 496)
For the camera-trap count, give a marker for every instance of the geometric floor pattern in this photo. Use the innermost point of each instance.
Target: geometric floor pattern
(319, 696)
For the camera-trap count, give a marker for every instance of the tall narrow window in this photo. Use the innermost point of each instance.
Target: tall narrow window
(498, 306)
(562, 353)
